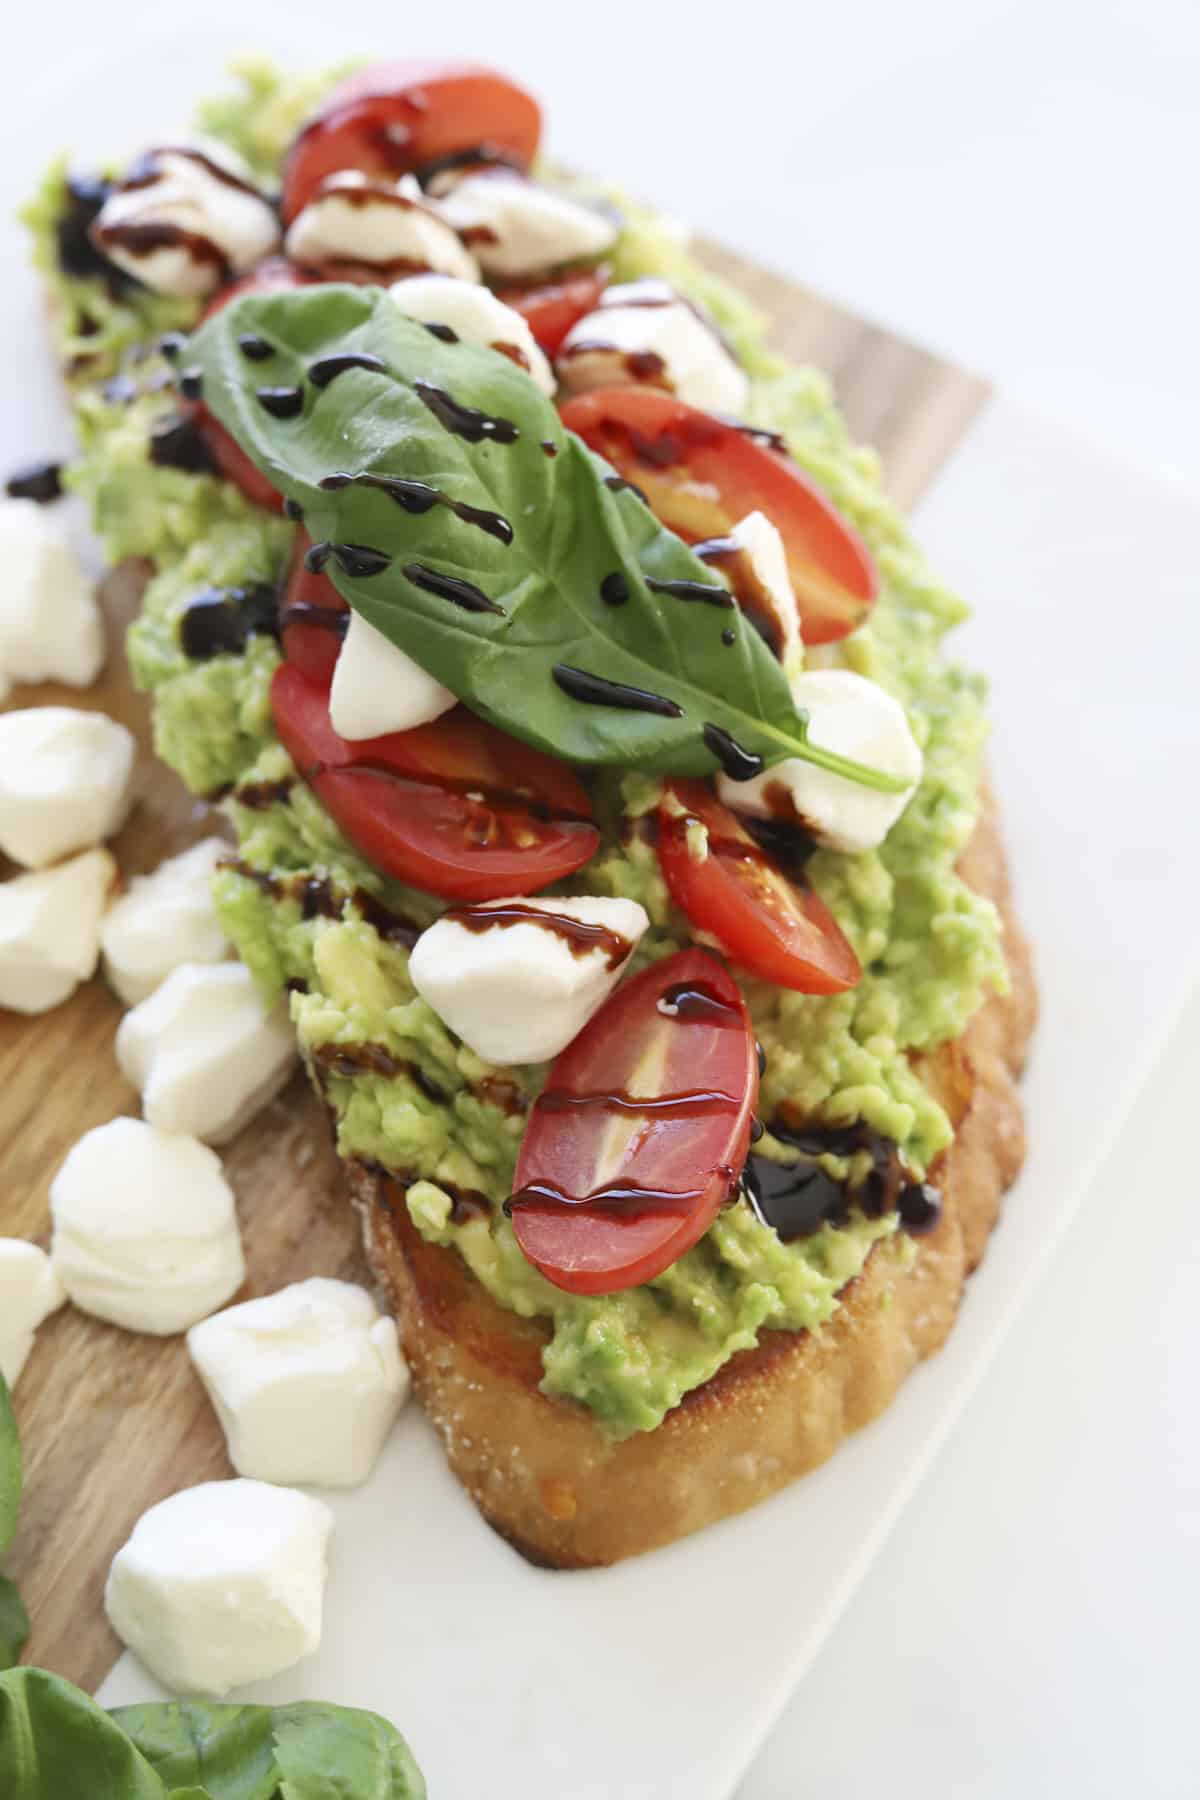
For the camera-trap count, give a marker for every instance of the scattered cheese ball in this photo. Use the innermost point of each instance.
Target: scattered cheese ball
(306, 1382)
(222, 1584)
(164, 919)
(29, 1292)
(186, 216)
(476, 316)
(64, 782)
(518, 992)
(50, 925)
(205, 1052)
(145, 1228)
(50, 625)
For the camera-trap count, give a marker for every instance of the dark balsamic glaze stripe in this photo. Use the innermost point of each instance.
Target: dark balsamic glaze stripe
(738, 764)
(292, 509)
(418, 497)
(617, 484)
(358, 561)
(36, 481)
(177, 442)
(444, 333)
(172, 344)
(259, 796)
(334, 619)
(328, 368)
(581, 935)
(280, 402)
(694, 1004)
(614, 589)
(450, 587)
(694, 1103)
(318, 898)
(692, 590)
(620, 1200)
(475, 156)
(223, 619)
(596, 690)
(191, 384)
(797, 1199)
(549, 446)
(255, 349)
(77, 255)
(465, 421)
(729, 635)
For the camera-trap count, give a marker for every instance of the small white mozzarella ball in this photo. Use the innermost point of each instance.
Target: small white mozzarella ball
(476, 315)
(306, 1382)
(376, 687)
(50, 930)
(854, 717)
(519, 993)
(187, 217)
(391, 228)
(518, 229)
(222, 1584)
(760, 549)
(164, 919)
(29, 1292)
(64, 781)
(643, 331)
(205, 1052)
(145, 1228)
(50, 625)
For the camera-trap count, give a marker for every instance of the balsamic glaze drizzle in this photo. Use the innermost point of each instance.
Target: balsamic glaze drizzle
(255, 349)
(222, 619)
(418, 497)
(177, 442)
(36, 481)
(596, 690)
(465, 421)
(614, 589)
(328, 368)
(738, 764)
(450, 587)
(692, 590)
(280, 402)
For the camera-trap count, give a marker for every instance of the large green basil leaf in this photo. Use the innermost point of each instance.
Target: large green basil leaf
(56, 1744)
(340, 1753)
(10, 1469)
(227, 1750)
(537, 603)
(14, 1625)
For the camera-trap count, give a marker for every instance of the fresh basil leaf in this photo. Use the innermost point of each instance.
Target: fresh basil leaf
(57, 1744)
(496, 621)
(10, 1469)
(340, 1753)
(14, 1625)
(227, 1750)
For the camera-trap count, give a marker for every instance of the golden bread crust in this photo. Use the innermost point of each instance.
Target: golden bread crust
(547, 1477)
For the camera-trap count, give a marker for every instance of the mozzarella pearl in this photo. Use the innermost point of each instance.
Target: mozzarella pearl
(353, 220)
(476, 315)
(64, 781)
(643, 331)
(518, 229)
(186, 219)
(377, 688)
(50, 930)
(857, 718)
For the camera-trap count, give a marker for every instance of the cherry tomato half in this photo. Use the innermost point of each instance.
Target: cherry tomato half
(399, 116)
(701, 474)
(313, 617)
(231, 460)
(456, 808)
(770, 926)
(552, 309)
(641, 1131)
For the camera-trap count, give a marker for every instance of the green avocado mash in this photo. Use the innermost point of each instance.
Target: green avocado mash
(429, 1108)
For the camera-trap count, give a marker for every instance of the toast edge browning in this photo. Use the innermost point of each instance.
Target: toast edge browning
(539, 1468)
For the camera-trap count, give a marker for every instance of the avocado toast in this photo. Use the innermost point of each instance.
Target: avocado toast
(588, 1421)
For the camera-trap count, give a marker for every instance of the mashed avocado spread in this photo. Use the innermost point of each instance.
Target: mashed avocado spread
(428, 1107)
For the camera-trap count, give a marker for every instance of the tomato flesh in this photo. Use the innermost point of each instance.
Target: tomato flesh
(231, 460)
(455, 808)
(610, 1193)
(395, 117)
(774, 928)
(551, 309)
(313, 617)
(701, 474)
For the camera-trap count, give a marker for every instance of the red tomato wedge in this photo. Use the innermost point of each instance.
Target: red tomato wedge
(456, 808)
(231, 460)
(701, 474)
(313, 617)
(399, 116)
(641, 1131)
(770, 926)
(552, 309)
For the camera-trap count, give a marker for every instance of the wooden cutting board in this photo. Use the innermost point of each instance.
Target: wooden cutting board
(112, 1422)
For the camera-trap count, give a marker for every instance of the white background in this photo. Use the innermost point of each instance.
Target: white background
(1016, 185)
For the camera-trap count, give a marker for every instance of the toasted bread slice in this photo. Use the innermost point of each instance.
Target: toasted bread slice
(547, 1477)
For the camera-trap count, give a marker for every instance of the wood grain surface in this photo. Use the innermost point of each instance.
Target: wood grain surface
(111, 1422)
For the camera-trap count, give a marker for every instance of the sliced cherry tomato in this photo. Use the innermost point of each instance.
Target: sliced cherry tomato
(313, 616)
(455, 808)
(776, 929)
(641, 1131)
(397, 117)
(552, 309)
(701, 474)
(231, 460)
